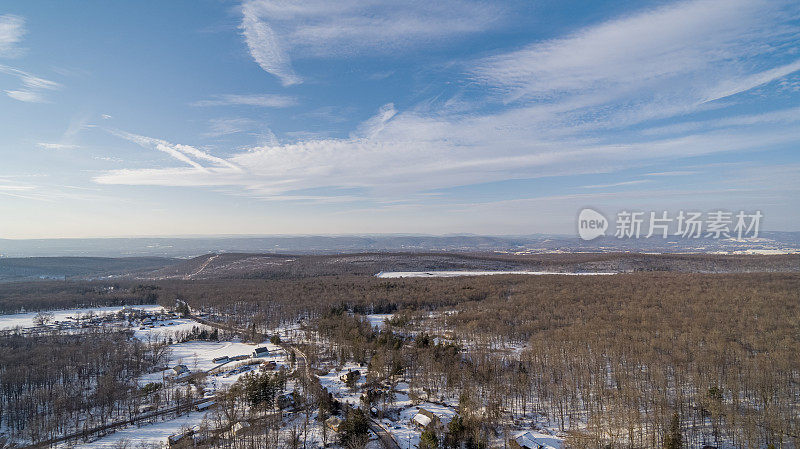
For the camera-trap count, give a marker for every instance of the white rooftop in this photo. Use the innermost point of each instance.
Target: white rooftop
(538, 440)
(422, 419)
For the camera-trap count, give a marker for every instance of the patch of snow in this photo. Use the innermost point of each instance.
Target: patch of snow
(378, 319)
(425, 274)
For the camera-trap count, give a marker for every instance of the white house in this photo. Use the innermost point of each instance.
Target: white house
(530, 440)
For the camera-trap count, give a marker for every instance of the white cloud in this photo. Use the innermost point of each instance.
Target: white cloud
(617, 184)
(746, 83)
(12, 28)
(267, 101)
(15, 187)
(226, 126)
(411, 153)
(266, 49)
(653, 64)
(563, 96)
(376, 124)
(32, 88)
(57, 146)
(67, 139)
(26, 96)
(182, 153)
(274, 29)
(781, 116)
(673, 173)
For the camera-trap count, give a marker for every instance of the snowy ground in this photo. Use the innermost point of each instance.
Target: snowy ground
(198, 356)
(149, 434)
(407, 435)
(25, 320)
(532, 438)
(378, 319)
(161, 330)
(338, 388)
(425, 274)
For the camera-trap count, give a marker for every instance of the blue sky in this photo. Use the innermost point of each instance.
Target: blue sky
(317, 117)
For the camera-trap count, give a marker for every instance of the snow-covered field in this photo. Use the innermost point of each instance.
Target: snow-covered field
(163, 329)
(148, 434)
(25, 320)
(426, 274)
(199, 355)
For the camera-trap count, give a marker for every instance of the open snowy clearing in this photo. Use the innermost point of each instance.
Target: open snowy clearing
(198, 356)
(379, 319)
(445, 274)
(25, 320)
(161, 330)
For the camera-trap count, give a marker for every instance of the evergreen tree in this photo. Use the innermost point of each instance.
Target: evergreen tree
(673, 439)
(455, 433)
(354, 428)
(428, 440)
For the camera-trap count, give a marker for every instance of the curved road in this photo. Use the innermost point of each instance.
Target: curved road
(386, 438)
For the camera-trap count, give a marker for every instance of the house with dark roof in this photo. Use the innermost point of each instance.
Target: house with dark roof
(261, 351)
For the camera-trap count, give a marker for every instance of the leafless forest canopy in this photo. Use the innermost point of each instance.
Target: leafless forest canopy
(610, 359)
(277, 266)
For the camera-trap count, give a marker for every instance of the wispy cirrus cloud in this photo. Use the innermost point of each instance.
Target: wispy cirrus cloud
(617, 184)
(57, 146)
(397, 154)
(275, 29)
(226, 126)
(732, 87)
(67, 139)
(260, 100)
(665, 47)
(33, 87)
(585, 102)
(12, 28)
(15, 187)
(183, 153)
(266, 47)
(673, 173)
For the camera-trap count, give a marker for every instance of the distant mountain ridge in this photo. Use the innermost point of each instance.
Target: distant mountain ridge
(185, 247)
(32, 268)
(284, 266)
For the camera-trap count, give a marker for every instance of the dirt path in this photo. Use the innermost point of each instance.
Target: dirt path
(202, 267)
